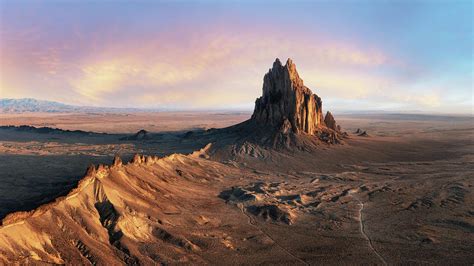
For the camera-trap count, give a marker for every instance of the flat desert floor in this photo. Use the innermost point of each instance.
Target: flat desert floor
(401, 195)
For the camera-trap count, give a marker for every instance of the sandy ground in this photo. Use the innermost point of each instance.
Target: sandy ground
(403, 195)
(128, 122)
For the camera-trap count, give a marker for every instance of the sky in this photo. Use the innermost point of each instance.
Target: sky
(355, 54)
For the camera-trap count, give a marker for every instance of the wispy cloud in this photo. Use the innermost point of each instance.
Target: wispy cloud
(234, 65)
(141, 59)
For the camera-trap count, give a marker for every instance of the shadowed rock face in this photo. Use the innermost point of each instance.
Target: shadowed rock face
(330, 121)
(286, 98)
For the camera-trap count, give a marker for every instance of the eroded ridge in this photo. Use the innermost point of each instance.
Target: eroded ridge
(122, 213)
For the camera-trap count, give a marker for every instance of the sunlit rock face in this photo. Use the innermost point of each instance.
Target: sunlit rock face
(285, 97)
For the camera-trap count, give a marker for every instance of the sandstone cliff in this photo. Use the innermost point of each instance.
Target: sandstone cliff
(287, 107)
(285, 97)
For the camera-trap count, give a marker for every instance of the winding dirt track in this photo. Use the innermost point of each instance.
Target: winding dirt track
(362, 231)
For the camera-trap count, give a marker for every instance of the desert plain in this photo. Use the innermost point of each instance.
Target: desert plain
(400, 194)
(182, 133)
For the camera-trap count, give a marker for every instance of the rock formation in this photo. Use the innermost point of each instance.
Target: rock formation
(117, 162)
(330, 121)
(289, 109)
(140, 135)
(137, 159)
(285, 97)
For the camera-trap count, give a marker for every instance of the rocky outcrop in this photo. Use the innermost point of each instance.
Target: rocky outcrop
(287, 117)
(330, 122)
(114, 212)
(140, 135)
(287, 107)
(117, 162)
(361, 133)
(285, 97)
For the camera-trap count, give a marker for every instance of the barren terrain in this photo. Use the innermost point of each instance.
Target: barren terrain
(127, 122)
(402, 194)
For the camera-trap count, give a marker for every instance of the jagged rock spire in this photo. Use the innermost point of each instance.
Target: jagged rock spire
(330, 121)
(117, 161)
(286, 98)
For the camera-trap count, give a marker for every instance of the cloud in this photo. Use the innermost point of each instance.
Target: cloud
(212, 66)
(216, 68)
(187, 55)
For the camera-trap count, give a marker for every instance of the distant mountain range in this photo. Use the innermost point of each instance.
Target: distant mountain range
(28, 105)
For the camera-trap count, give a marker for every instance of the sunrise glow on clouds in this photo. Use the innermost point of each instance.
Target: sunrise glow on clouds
(211, 55)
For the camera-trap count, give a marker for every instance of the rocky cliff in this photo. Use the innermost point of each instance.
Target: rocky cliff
(287, 104)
